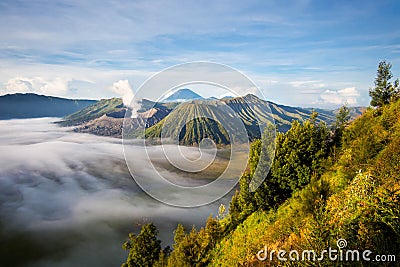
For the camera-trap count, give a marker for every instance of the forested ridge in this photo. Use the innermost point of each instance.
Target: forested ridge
(326, 183)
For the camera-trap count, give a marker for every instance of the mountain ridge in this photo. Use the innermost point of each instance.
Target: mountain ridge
(105, 117)
(252, 110)
(30, 105)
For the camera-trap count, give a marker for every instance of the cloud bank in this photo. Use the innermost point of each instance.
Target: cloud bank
(57, 86)
(347, 95)
(72, 197)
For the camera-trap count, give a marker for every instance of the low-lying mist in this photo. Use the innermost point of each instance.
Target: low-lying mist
(67, 199)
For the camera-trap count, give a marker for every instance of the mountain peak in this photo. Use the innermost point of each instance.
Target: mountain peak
(183, 95)
(251, 97)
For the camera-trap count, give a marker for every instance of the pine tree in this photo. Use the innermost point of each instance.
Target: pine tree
(342, 119)
(144, 249)
(179, 234)
(384, 90)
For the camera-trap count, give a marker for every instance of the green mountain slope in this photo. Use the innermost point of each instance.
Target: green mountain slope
(105, 117)
(113, 106)
(250, 109)
(206, 124)
(357, 199)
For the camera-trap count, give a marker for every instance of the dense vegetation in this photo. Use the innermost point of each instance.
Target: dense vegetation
(325, 183)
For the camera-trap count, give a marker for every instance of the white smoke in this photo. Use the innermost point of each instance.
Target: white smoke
(135, 106)
(124, 89)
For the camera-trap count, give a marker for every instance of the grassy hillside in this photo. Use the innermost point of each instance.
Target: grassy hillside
(315, 194)
(357, 198)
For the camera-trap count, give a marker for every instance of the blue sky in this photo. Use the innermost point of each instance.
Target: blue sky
(301, 53)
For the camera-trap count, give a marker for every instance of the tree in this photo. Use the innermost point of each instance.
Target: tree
(265, 149)
(384, 90)
(213, 232)
(299, 155)
(179, 234)
(342, 119)
(163, 258)
(144, 249)
(191, 250)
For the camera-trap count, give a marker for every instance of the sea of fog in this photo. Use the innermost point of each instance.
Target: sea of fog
(68, 199)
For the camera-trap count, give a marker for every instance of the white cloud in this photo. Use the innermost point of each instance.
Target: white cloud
(308, 84)
(18, 85)
(65, 81)
(57, 86)
(347, 95)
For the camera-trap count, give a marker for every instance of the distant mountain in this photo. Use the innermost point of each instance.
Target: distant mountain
(111, 124)
(19, 106)
(111, 107)
(354, 111)
(250, 109)
(183, 95)
(284, 115)
(106, 117)
(195, 130)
